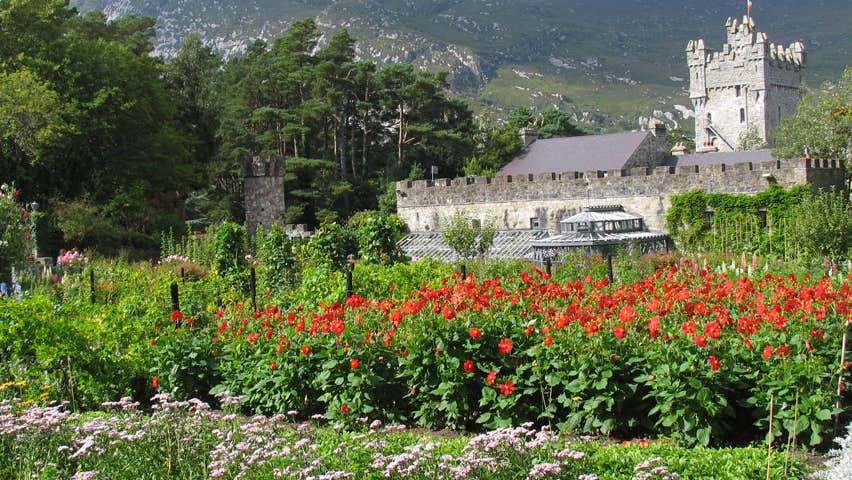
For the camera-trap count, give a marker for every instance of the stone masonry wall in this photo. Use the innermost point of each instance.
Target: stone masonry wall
(263, 192)
(750, 83)
(512, 201)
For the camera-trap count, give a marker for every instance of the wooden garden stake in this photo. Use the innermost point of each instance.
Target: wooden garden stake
(771, 418)
(839, 403)
(791, 435)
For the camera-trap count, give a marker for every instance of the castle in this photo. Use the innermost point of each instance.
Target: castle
(747, 87)
(750, 85)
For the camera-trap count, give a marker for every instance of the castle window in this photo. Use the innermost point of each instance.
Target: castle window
(739, 90)
(757, 95)
(742, 115)
(535, 223)
(779, 113)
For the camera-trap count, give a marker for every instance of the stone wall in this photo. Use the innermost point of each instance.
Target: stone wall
(263, 192)
(513, 201)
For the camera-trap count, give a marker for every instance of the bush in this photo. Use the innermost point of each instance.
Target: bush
(276, 253)
(16, 243)
(823, 226)
(330, 246)
(377, 237)
(230, 250)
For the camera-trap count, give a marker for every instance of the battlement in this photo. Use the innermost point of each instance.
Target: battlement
(264, 167)
(734, 178)
(540, 201)
(745, 43)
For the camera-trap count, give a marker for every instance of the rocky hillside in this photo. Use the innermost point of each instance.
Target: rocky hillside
(612, 63)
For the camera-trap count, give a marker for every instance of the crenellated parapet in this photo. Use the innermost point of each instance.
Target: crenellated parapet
(258, 166)
(515, 200)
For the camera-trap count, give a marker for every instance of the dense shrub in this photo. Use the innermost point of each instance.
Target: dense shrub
(277, 255)
(16, 243)
(231, 248)
(377, 237)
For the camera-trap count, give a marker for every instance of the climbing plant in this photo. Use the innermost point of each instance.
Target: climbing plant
(723, 222)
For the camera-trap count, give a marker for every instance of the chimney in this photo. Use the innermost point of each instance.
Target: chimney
(679, 149)
(658, 129)
(528, 135)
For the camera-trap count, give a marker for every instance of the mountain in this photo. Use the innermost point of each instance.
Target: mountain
(613, 63)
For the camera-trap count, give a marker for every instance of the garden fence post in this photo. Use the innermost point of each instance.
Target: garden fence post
(253, 286)
(463, 272)
(175, 302)
(609, 267)
(182, 277)
(92, 285)
(350, 262)
(547, 265)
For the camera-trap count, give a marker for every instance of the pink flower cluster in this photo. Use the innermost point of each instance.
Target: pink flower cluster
(70, 258)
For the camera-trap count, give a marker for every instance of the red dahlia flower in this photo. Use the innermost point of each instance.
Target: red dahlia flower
(475, 333)
(354, 363)
(505, 346)
(469, 366)
(714, 362)
(619, 331)
(507, 388)
(491, 377)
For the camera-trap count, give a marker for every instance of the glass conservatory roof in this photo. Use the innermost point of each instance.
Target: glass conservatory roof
(508, 244)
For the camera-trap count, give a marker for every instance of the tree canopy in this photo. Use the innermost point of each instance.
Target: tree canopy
(823, 124)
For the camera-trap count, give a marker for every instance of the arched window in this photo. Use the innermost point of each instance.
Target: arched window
(739, 90)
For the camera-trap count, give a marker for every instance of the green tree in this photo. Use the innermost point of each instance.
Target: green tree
(750, 139)
(31, 115)
(822, 124)
(496, 146)
(468, 237)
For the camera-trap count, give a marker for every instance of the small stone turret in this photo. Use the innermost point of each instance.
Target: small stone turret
(264, 192)
(750, 84)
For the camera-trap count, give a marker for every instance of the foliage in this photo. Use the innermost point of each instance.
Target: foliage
(377, 237)
(276, 252)
(188, 440)
(468, 237)
(67, 354)
(823, 226)
(750, 139)
(823, 124)
(721, 222)
(330, 246)
(495, 147)
(549, 123)
(231, 248)
(16, 241)
(182, 358)
(340, 124)
(686, 353)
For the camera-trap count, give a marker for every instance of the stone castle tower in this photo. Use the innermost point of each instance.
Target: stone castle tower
(263, 192)
(750, 84)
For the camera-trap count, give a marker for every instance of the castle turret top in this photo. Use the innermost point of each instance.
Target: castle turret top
(743, 35)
